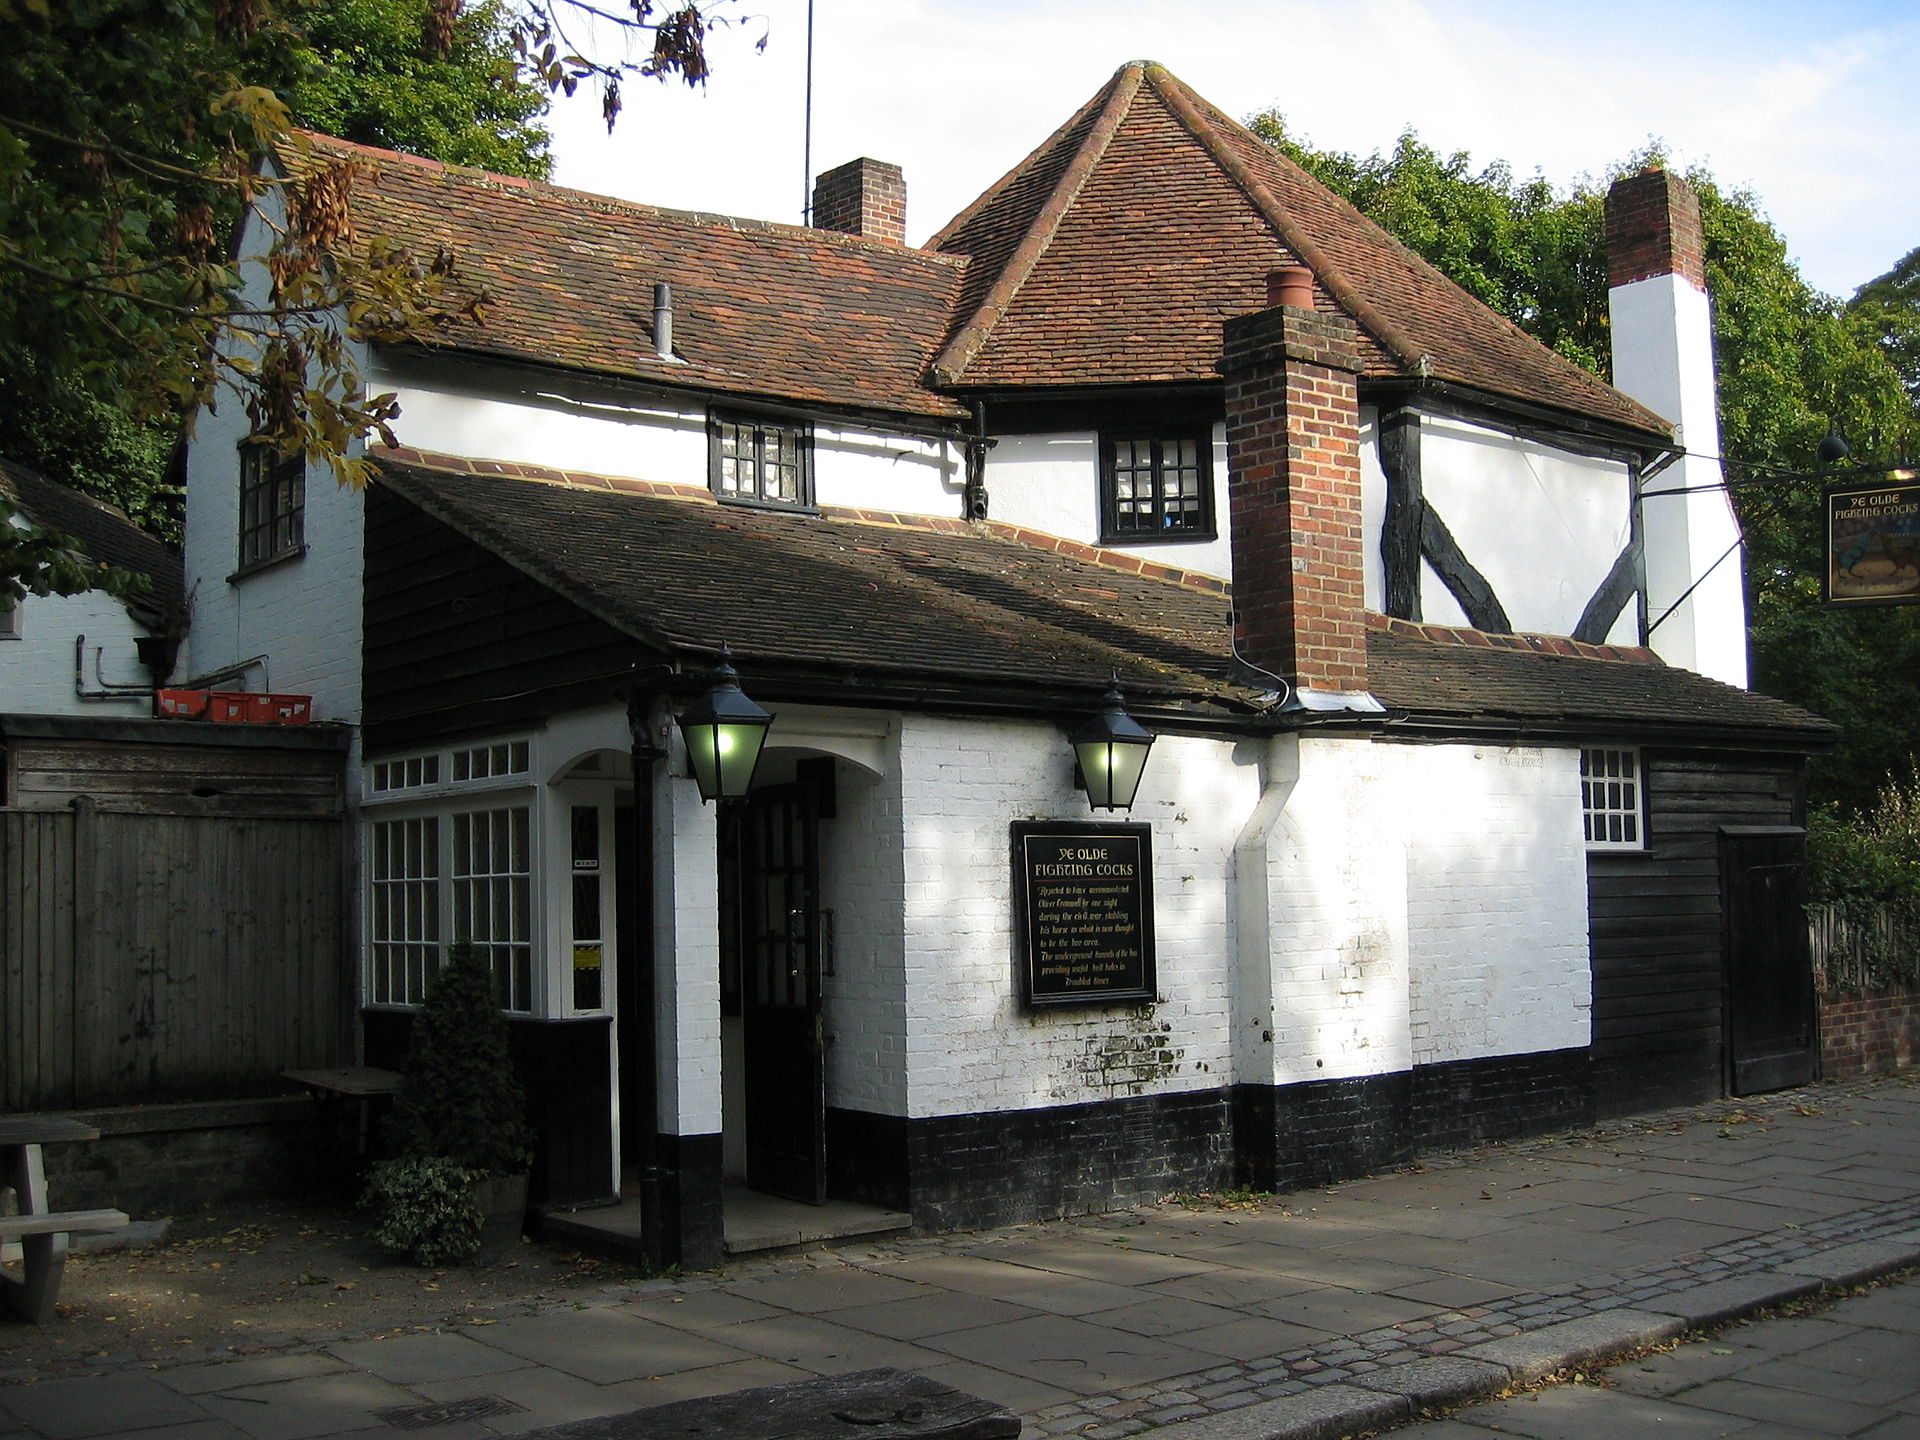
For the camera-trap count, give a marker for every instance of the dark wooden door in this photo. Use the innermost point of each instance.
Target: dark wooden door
(779, 945)
(1771, 1034)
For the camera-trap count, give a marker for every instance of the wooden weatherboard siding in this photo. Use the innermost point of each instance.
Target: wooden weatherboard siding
(150, 954)
(1658, 940)
(457, 639)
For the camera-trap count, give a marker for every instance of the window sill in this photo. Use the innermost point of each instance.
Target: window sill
(1158, 537)
(773, 507)
(247, 572)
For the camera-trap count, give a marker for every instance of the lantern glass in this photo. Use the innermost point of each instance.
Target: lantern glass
(724, 733)
(1112, 752)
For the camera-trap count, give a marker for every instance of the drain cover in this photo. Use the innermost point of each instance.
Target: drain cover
(445, 1412)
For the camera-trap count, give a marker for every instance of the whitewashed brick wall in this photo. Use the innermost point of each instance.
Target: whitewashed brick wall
(970, 1045)
(1323, 895)
(687, 953)
(36, 669)
(864, 999)
(1497, 899)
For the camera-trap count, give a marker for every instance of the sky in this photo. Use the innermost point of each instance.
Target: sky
(1814, 107)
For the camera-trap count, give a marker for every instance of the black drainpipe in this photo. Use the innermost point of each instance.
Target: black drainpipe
(659, 1247)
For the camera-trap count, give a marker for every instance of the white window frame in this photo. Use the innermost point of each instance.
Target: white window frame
(1613, 797)
(411, 919)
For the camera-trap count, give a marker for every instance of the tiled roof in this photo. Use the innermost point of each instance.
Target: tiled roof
(104, 530)
(1113, 252)
(851, 597)
(765, 310)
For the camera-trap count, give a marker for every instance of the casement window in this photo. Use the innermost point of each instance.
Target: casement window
(466, 875)
(757, 460)
(1613, 799)
(273, 499)
(454, 863)
(1156, 486)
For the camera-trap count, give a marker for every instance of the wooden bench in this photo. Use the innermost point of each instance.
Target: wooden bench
(883, 1404)
(41, 1231)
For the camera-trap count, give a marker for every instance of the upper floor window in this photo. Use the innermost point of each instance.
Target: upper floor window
(1156, 486)
(760, 461)
(1611, 799)
(273, 498)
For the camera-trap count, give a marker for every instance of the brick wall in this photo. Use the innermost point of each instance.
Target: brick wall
(1294, 495)
(862, 197)
(159, 1160)
(1869, 1032)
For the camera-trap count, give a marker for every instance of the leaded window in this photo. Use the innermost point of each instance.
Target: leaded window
(761, 461)
(1156, 486)
(273, 499)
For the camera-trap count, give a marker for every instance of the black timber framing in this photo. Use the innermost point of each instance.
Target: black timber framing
(1400, 555)
(459, 641)
(1656, 924)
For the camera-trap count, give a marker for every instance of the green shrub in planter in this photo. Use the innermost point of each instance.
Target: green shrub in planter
(458, 1096)
(425, 1209)
(459, 1117)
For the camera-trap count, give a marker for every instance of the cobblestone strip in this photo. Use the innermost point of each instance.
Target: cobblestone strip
(1349, 1357)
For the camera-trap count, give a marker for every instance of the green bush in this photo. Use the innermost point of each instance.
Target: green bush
(425, 1209)
(1872, 858)
(458, 1097)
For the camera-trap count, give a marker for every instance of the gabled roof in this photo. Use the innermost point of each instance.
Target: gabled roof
(1111, 255)
(761, 310)
(851, 601)
(105, 531)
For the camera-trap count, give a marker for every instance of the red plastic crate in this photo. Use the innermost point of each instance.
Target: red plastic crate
(181, 704)
(238, 707)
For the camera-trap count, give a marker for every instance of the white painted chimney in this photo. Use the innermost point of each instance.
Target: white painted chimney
(1663, 357)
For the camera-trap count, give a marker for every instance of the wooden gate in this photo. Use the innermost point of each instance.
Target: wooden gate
(149, 954)
(1770, 1005)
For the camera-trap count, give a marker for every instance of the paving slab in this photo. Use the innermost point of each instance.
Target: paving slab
(543, 1397)
(235, 1374)
(1072, 1354)
(1820, 1414)
(77, 1408)
(821, 1347)
(935, 1314)
(1538, 1353)
(418, 1359)
(1582, 1412)
(311, 1408)
(1853, 1264)
(605, 1345)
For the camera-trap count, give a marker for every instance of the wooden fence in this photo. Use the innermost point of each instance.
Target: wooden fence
(167, 954)
(1854, 952)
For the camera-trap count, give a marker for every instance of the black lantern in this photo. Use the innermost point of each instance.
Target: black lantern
(724, 731)
(1111, 749)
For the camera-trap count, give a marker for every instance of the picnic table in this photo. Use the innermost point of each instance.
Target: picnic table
(41, 1230)
(362, 1084)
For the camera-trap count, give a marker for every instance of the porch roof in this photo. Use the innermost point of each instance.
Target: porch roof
(858, 601)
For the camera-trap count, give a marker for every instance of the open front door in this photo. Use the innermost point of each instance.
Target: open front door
(1770, 1010)
(779, 947)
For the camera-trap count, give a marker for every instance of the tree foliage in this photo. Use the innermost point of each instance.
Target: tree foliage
(1793, 364)
(133, 134)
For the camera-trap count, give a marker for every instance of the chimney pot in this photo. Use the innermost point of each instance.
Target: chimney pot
(1290, 285)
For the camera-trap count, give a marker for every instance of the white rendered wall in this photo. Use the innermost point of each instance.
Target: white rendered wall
(1496, 900)
(36, 656)
(970, 1045)
(1542, 525)
(1051, 483)
(1323, 985)
(303, 613)
(1663, 357)
(572, 425)
(686, 938)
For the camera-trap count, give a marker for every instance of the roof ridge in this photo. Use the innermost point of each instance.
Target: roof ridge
(1537, 644)
(1187, 107)
(949, 364)
(619, 204)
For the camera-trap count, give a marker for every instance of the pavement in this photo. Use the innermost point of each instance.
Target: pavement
(1323, 1313)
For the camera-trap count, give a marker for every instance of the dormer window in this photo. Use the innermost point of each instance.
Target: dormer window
(273, 499)
(1156, 486)
(760, 460)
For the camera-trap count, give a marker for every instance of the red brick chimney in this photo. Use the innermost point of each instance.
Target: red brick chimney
(1293, 463)
(862, 197)
(1653, 228)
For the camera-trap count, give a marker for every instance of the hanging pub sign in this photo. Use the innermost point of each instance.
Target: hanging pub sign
(1083, 895)
(1873, 543)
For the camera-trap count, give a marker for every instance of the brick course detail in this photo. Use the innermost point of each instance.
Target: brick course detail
(862, 197)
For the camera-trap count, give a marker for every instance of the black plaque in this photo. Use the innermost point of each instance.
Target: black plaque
(1084, 898)
(1873, 543)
